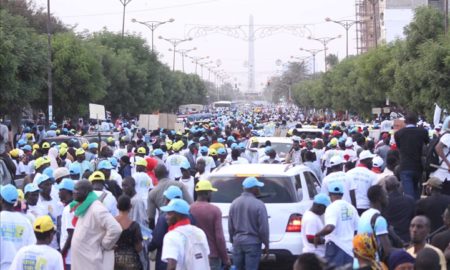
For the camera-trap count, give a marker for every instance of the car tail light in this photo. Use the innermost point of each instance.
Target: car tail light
(294, 223)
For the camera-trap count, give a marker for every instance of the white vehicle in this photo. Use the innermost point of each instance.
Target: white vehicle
(309, 132)
(282, 145)
(287, 193)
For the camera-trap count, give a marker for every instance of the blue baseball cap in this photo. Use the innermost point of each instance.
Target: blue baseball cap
(185, 165)
(105, 165)
(42, 179)
(268, 150)
(202, 139)
(221, 151)
(220, 140)
(75, 168)
(322, 199)
(21, 142)
(113, 161)
(336, 188)
(231, 138)
(234, 146)
(173, 192)
(242, 146)
(158, 152)
(251, 182)
(9, 193)
(177, 205)
(93, 145)
(49, 172)
(67, 184)
(30, 188)
(204, 149)
(27, 148)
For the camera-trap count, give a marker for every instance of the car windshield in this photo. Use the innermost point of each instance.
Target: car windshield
(282, 149)
(275, 190)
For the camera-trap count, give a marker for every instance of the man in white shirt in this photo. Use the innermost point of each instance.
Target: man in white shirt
(184, 246)
(143, 181)
(209, 161)
(16, 230)
(66, 188)
(363, 178)
(341, 222)
(97, 180)
(336, 174)
(187, 179)
(312, 223)
(174, 161)
(39, 255)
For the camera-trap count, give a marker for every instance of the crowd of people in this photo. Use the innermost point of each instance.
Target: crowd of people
(90, 206)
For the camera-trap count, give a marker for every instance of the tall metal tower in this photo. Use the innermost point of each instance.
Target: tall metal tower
(254, 32)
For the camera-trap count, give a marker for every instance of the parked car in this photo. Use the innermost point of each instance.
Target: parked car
(287, 193)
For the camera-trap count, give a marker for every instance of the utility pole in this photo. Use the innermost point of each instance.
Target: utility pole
(49, 65)
(446, 16)
(124, 4)
(325, 41)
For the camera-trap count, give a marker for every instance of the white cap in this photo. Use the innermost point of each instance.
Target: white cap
(336, 160)
(377, 161)
(365, 155)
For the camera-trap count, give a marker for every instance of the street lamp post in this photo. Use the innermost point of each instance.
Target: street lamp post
(183, 54)
(124, 3)
(152, 25)
(347, 24)
(324, 41)
(49, 64)
(313, 52)
(175, 42)
(195, 60)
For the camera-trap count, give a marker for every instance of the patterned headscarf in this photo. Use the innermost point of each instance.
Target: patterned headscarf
(365, 247)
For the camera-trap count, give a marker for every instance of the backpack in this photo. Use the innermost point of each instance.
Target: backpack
(196, 248)
(431, 163)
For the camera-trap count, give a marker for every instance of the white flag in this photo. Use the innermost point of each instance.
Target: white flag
(437, 115)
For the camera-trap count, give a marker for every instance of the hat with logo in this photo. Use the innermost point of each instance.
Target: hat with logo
(322, 199)
(377, 161)
(204, 185)
(79, 152)
(185, 165)
(158, 152)
(30, 187)
(141, 150)
(74, 168)
(204, 149)
(336, 160)
(41, 161)
(43, 224)
(336, 188)
(104, 165)
(366, 154)
(251, 182)
(97, 176)
(173, 192)
(9, 193)
(67, 184)
(433, 182)
(140, 162)
(177, 205)
(61, 172)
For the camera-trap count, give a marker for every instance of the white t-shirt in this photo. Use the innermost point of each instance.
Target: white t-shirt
(342, 178)
(176, 246)
(312, 224)
(189, 184)
(443, 173)
(209, 163)
(115, 176)
(66, 223)
(109, 201)
(16, 232)
(345, 218)
(143, 185)
(329, 154)
(40, 257)
(365, 226)
(173, 164)
(20, 167)
(363, 179)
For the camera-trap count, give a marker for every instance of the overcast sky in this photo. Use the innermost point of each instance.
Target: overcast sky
(93, 15)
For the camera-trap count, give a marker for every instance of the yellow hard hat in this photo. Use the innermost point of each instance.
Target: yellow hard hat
(97, 176)
(141, 150)
(204, 185)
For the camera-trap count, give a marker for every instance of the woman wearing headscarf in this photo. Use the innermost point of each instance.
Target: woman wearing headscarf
(151, 165)
(365, 250)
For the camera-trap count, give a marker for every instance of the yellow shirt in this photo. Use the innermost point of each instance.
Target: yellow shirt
(442, 260)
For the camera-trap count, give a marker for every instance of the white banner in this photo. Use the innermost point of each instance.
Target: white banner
(437, 115)
(96, 111)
